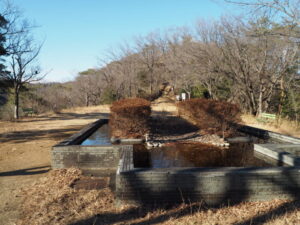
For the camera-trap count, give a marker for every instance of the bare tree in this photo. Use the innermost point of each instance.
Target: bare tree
(23, 52)
(207, 57)
(125, 69)
(257, 65)
(22, 67)
(286, 11)
(89, 87)
(150, 56)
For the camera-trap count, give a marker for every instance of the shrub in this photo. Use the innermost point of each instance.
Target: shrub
(108, 96)
(199, 91)
(129, 118)
(211, 116)
(7, 112)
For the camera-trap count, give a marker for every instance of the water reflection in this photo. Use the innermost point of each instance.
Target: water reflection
(197, 155)
(99, 137)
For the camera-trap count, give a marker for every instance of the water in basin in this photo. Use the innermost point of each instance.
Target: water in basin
(99, 137)
(198, 155)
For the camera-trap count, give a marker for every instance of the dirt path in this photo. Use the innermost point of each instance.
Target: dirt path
(25, 151)
(164, 106)
(25, 157)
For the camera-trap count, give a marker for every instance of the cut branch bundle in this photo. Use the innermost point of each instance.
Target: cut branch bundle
(211, 116)
(129, 118)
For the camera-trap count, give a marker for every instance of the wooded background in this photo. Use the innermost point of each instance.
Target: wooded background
(252, 61)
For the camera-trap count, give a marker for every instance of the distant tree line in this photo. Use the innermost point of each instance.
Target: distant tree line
(253, 62)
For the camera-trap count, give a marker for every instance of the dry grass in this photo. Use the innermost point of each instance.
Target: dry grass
(245, 213)
(90, 109)
(283, 126)
(25, 151)
(53, 201)
(49, 198)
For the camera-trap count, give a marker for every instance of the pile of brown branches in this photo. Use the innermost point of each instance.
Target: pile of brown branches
(129, 118)
(52, 200)
(211, 116)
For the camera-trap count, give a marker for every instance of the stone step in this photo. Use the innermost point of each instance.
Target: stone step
(91, 183)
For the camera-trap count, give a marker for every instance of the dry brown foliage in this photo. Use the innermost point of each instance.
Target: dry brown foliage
(53, 200)
(132, 105)
(282, 126)
(211, 116)
(129, 118)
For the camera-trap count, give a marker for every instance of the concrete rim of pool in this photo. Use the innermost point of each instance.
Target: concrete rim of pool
(174, 185)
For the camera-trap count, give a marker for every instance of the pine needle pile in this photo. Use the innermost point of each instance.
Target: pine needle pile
(129, 118)
(52, 200)
(211, 116)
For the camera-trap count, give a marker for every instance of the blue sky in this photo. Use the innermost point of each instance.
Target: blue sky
(77, 32)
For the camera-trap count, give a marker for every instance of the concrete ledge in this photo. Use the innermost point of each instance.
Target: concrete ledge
(239, 140)
(280, 152)
(265, 134)
(214, 186)
(127, 140)
(126, 159)
(69, 153)
(84, 133)
(174, 185)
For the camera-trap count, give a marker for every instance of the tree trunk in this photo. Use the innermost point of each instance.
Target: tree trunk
(295, 108)
(87, 100)
(151, 81)
(16, 108)
(130, 89)
(252, 103)
(259, 111)
(189, 94)
(281, 97)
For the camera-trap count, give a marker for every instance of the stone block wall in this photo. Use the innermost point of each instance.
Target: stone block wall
(213, 186)
(69, 153)
(175, 185)
(85, 157)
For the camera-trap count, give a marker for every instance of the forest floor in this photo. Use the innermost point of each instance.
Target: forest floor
(25, 166)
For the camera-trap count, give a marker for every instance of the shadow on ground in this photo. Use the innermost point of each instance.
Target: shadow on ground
(291, 187)
(31, 135)
(181, 211)
(27, 171)
(167, 126)
(56, 134)
(66, 116)
(136, 213)
(171, 126)
(175, 126)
